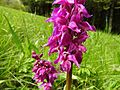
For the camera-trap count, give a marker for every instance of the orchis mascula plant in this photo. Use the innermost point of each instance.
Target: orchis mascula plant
(69, 33)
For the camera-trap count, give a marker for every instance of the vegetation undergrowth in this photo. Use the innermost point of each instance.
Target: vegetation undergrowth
(20, 33)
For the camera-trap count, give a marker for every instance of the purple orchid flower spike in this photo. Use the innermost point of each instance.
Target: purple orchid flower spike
(69, 33)
(43, 71)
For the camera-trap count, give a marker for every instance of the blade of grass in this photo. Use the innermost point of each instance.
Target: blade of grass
(14, 35)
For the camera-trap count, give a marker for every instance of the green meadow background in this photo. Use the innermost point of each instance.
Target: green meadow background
(21, 33)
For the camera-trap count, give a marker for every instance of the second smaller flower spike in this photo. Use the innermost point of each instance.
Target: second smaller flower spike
(44, 72)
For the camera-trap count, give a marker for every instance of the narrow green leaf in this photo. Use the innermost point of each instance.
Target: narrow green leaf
(1, 81)
(14, 35)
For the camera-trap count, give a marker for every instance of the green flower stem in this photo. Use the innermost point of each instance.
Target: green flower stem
(69, 79)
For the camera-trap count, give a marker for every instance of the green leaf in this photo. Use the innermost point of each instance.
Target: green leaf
(1, 81)
(14, 35)
(75, 77)
(64, 87)
(87, 71)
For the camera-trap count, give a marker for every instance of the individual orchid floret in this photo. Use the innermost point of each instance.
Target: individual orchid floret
(44, 72)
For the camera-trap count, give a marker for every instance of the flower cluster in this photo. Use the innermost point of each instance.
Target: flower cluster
(69, 33)
(44, 72)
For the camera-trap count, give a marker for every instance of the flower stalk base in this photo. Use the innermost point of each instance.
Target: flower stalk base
(69, 79)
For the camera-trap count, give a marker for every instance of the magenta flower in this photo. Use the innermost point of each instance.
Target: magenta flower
(44, 72)
(69, 33)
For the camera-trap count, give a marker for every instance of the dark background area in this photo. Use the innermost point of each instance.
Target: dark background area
(106, 13)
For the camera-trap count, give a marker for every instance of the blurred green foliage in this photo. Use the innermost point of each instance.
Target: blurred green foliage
(16, 4)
